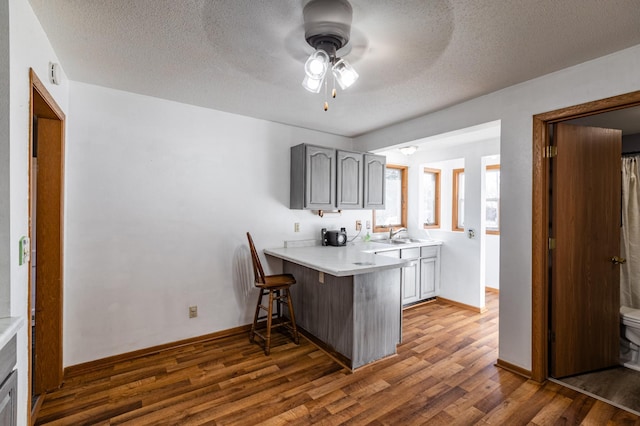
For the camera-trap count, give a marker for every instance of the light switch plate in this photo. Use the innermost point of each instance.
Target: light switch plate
(24, 251)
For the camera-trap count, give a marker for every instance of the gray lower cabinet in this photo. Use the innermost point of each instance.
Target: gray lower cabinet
(8, 388)
(411, 282)
(313, 177)
(420, 279)
(349, 179)
(428, 278)
(411, 275)
(8, 400)
(357, 318)
(429, 272)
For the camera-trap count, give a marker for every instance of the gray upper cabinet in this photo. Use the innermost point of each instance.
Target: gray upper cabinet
(313, 177)
(374, 181)
(350, 184)
(326, 179)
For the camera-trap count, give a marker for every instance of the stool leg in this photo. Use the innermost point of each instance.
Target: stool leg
(277, 294)
(252, 333)
(267, 343)
(293, 318)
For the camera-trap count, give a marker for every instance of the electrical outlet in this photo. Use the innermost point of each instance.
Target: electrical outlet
(296, 227)
(193, 311)
(358, 225)
(368, 224)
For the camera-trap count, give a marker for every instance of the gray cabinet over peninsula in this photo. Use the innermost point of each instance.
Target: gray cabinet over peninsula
(326, 178)
(348, 299)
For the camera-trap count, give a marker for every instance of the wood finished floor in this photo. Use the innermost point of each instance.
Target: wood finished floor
(444, 373)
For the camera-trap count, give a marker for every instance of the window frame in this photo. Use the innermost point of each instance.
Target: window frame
(437, 173)
(454, 207)
(403, 202)
(493, 231)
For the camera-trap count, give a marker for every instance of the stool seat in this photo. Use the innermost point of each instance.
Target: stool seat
(277, 288)
(272, 281)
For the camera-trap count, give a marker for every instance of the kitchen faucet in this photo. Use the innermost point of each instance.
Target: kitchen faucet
(393, 233)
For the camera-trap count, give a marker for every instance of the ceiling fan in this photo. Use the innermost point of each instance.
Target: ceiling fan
(327, 25)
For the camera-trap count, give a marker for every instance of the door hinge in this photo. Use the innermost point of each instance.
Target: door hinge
(551, 336)
(550, 151)
(552, 243)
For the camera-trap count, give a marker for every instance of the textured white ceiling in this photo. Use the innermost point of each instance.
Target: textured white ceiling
(247, 56)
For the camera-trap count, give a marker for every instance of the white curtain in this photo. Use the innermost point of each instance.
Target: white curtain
(630, 235)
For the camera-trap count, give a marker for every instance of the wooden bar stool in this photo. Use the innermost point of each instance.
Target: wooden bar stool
(277, 287)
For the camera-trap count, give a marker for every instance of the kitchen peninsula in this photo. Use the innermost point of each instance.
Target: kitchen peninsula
(348, 299)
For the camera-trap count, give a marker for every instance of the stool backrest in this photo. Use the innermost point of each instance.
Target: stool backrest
(258, 272)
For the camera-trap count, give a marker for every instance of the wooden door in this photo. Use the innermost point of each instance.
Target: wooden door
(585, 224)
(49, 218)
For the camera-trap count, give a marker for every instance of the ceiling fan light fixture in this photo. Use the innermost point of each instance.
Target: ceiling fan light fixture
(317, 65)
(408, 150)
(344, 73)
(327, 25)
(312, 84)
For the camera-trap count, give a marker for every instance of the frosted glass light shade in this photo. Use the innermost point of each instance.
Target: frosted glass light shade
(344, 73)
(408, 150)
(312, 84)
(317, 65)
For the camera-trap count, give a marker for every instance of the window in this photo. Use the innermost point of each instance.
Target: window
(458, 200)
(492, 199)
(431, 198)
(395, 214)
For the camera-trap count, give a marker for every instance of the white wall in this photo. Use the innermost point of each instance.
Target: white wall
(598, 79)
(128, 167)
(160, 197)
(29, 48)
(492, 261)
(463, 261)
(460, 284)
(5, 282)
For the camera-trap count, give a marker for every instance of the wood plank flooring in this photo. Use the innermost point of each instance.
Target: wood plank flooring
(444, 373)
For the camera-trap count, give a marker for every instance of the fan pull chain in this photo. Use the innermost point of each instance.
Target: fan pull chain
(326, 104)
(334, 92)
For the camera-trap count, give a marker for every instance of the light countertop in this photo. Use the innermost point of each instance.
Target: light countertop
(9, 326)
(352, 259)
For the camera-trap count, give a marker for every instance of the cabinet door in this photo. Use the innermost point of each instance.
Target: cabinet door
(320, 179)
(428, 278)
(8, 401)
(350, 184)
(411, 283)
(374, 181)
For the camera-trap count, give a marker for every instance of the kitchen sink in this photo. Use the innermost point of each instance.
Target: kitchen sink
(401, 241)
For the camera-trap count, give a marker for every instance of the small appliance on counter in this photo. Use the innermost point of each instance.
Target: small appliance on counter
(334, 238)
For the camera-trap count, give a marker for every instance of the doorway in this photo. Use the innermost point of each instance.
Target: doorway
(600, 114)
(46, 209)
(585, 219)
(540, 228)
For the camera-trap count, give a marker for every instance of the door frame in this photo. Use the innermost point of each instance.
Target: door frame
(42, 104)
(540, 219)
